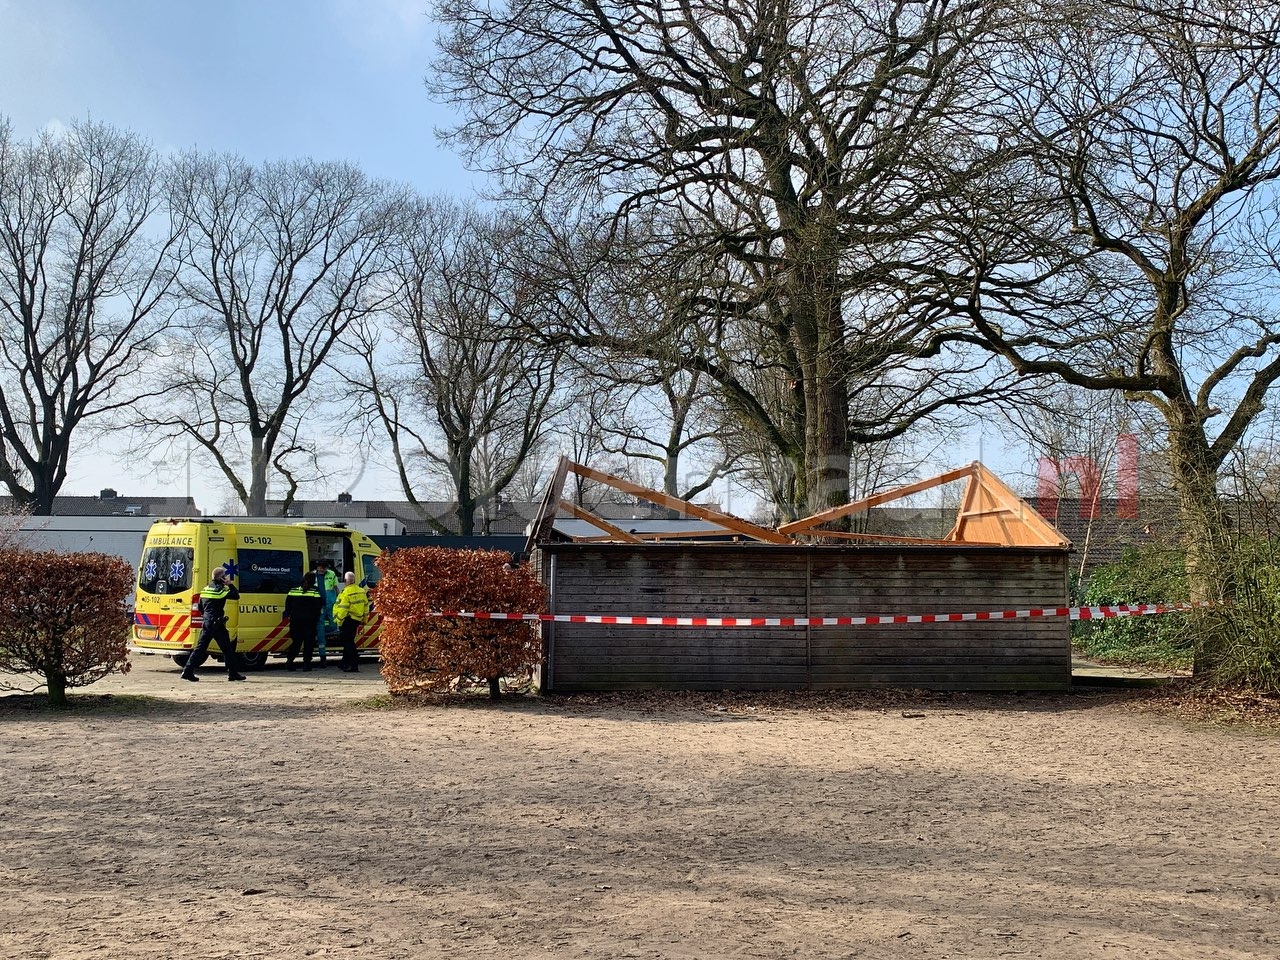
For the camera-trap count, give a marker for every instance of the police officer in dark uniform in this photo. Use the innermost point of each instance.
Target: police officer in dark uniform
(302, 609)
(213, 609)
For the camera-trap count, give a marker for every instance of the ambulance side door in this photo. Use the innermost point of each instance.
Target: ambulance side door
(271, 564)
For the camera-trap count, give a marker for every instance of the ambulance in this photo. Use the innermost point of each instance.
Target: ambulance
(266, 561)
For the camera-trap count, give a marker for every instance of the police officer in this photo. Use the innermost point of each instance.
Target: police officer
(213, 610)
(350, 610)
(302, 610)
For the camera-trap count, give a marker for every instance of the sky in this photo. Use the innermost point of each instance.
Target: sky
(265, 79)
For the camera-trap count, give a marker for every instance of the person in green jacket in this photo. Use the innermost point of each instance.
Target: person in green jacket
(327, 584)
(350, 610)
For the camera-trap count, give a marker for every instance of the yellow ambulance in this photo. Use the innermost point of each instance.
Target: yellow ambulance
(266, 560)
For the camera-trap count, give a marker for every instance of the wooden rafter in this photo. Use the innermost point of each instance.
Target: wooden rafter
(680, 534)
(954, 534)
(990, 514)
(675, 503)
(877, 538)
(1018, 523)
(866, 503)
(545, 520)
(598, 522)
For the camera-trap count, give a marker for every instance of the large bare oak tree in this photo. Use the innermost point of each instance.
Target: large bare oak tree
(797, 146)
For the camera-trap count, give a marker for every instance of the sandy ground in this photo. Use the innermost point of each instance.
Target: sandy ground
(281, 818)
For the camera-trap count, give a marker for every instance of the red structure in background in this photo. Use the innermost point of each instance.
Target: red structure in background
(1050, 472)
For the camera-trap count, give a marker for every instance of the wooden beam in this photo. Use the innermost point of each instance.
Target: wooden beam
(926, 541)
(545, 520)
(987, 513)
(598, 522)
(681, 534)
(866, 503)
(675, 503)
(965, 498)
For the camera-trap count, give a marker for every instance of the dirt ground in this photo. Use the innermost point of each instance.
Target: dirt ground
(285, 818)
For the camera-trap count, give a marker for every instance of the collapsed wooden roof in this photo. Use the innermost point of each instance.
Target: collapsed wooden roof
(990, 514)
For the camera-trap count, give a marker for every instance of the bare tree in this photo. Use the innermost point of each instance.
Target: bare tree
(1135, 252)
(792, 148)
(277, 261)
(671, 425)
(83, 281)
(462, 396)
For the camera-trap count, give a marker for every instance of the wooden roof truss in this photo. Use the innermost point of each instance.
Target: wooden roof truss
(990, 514)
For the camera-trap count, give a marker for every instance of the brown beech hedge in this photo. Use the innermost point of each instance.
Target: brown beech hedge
(63, 617)
(425, 653)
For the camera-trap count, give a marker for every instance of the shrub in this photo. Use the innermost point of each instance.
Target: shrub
(1149, 575)
(421, 652)
(1249, 653)
(63, 618)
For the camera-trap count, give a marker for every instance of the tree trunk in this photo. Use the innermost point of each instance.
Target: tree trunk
(1206, 534)
(43, 491)
(57, 685)
(466, 514)
(495, 688)
(820, 326)
(671, 477)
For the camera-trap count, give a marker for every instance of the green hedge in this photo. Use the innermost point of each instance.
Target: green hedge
(1147, 575)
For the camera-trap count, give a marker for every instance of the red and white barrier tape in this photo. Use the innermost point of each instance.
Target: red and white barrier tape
(1074, 613)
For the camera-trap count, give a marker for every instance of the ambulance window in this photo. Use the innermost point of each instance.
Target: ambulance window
(371, 572)
(269, 571)
(165, 570)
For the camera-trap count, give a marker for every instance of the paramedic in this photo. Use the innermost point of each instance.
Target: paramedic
(350, 610)
(327, 584)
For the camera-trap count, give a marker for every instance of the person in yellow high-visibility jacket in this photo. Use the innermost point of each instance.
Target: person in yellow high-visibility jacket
(350, 610)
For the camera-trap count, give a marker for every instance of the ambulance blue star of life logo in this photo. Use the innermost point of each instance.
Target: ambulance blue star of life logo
(230, 567)
(177, 570)
(150, 570)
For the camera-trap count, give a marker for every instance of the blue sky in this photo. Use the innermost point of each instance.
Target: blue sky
(266, 79)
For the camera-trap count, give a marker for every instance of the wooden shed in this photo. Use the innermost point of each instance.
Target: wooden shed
(999, 556)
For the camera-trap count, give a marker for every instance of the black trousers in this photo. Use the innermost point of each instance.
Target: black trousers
(201, 652)
(302, 638)
(347, 634)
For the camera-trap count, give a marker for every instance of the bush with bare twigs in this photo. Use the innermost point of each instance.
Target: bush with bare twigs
(422, 653)
(62, 619)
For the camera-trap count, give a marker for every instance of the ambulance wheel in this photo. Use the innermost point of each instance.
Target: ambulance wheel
(253, 661)
(181, 658)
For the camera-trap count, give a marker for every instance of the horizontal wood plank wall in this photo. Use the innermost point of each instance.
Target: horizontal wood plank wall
(1033, 654)
(768, 580)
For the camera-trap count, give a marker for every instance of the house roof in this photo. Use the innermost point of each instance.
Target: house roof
(115, 505)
